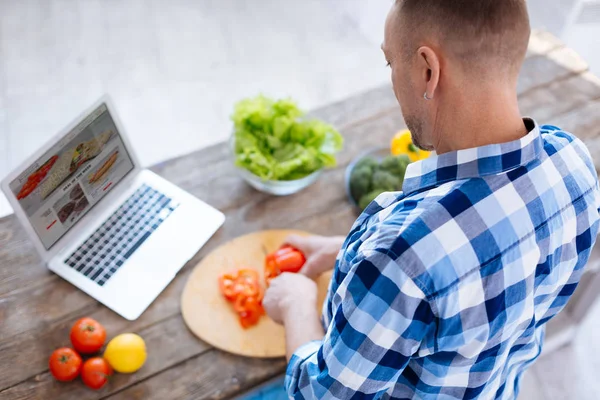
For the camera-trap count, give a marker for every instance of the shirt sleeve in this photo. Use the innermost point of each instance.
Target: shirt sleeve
(380, 320)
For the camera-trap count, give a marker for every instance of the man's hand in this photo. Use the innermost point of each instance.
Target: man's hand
(290, 296)
(291, 300)
(320, 252)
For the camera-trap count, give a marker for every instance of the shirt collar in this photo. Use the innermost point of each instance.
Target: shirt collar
(474, 163)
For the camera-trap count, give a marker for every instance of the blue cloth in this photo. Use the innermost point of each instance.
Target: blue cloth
(442, 290)
(273, 391)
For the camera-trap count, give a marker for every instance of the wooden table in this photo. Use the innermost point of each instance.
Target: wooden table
(37, 308)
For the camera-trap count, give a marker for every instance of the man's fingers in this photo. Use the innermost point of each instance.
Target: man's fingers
(297, 241)
(316, 265)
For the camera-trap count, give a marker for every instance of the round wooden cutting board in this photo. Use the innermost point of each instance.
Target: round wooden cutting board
(210, 317)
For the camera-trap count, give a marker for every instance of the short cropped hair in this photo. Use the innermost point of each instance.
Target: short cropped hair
(471, 29)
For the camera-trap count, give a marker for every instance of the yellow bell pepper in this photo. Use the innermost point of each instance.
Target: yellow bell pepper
(402, 144)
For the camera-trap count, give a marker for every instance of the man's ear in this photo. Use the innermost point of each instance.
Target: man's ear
(430, 65)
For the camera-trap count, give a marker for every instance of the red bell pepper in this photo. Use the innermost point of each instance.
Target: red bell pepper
(286, 259)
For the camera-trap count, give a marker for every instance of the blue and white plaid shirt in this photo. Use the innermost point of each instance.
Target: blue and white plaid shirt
(442, 290)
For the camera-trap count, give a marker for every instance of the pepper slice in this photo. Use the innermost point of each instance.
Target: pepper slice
(244, 291)
(227, 283)
(246, 304)
(271, 269)
(250, 320)
(250, 289)
(248, 274)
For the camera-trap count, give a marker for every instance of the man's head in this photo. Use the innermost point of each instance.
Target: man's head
(442, 51)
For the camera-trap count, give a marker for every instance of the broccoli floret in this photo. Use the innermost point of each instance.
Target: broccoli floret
(396, 165)
(386, 182)
(369, 162)
(360, 181)
(368, 198)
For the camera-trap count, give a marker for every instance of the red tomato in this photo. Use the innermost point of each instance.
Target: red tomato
(95, 372)
(87, 336)
(65, 364)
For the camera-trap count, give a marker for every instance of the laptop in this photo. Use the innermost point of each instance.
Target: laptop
(99, 220)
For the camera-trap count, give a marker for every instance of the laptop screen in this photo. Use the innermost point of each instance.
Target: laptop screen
(59, 188)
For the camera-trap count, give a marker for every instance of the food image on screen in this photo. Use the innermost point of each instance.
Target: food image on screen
(65, 212)
(76, 203)
(96, 176)
(76, 193)
(71, 160)
(36, 178)
(62, 185)
(81, 205)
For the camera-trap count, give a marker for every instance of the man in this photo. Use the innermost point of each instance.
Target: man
(443, 290)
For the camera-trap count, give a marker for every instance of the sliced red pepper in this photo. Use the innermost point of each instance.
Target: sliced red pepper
(227, 283)
(271, 270)
(286, 259)
(250, 320)
(250, 289)
(290, 261)
(246, 304)
(244, 290)
(248, 273)
(250, 311)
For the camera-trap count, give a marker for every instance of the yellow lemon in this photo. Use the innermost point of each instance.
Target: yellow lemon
(402, 144)
(126, 353)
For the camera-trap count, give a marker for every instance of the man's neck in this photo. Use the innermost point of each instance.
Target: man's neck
(478, 120)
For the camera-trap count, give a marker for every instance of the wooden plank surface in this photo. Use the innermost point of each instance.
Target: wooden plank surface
(37, 308)
(214, 375)
(169, 335)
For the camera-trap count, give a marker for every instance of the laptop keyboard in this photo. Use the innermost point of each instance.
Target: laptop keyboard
(107, 249)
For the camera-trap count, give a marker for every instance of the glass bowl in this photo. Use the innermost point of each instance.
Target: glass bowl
(277, 188)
